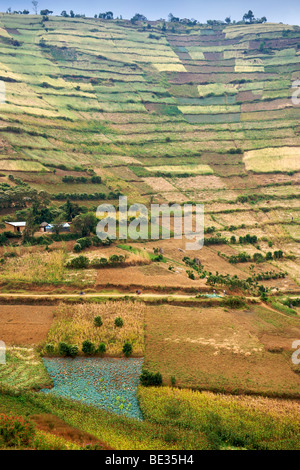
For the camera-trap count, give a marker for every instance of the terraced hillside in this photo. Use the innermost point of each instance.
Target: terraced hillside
(200, 114)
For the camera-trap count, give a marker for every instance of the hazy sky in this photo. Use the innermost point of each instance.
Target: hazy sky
(287, 11)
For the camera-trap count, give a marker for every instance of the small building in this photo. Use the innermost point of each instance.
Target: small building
(43, 226)
(16, 227)
(64, 227)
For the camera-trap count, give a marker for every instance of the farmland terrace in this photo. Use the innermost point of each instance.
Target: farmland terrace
(202, 114)
(162, 114)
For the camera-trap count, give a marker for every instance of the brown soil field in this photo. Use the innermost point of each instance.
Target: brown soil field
(209, 69)
(200, 182)
(266, 105)
(158, 274)
(147, 276)
(247, 96)
(223, 350)
(187, 78)
(215, 56)
(25, 324)
(279, 43)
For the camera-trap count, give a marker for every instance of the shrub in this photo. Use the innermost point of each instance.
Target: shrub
(258, 257)
(73, 350)
(49, 348)
(191, 275)
(16, 431)
(96, 241)
(77, 248)
(149, 379)
(63, 349)
(66, 349)
(102, 348)
(234, 302)
(85, 242)
(98, 321)
(88, 347)
(119, 322)
(127, 349)
(81, 262)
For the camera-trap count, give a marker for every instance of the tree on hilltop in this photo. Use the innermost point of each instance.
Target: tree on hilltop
(35, 5)
(248, 17)
(106, 16)
(46, 12)
(138, 17)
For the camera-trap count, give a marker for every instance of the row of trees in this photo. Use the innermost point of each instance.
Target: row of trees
(248, 18)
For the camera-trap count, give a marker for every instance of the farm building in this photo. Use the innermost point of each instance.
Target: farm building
(15, 226)
(43, 226)
(64, 227)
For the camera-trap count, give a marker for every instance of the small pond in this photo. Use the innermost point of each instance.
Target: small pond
(108, 383)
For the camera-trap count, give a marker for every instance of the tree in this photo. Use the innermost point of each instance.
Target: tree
(127, 349)
(72, 14)
(70, 209)
(228, 20)
(106, 16)
(46, 12)
(85, 223)
(173, 19)
(248, 17)
(64, 14)
(36, 214)
(35, 5)
(138, 17)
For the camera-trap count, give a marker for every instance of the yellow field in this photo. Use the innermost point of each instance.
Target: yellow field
(75, 324)
(170, 67)
(273, 159)
(240, 30)
(196, 55)
(21, 165)
(209, 109)
(197, 169)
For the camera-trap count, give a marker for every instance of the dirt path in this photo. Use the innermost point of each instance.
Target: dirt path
(104, 295)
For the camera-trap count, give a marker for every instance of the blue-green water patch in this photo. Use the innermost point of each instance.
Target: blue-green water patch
(108, 383)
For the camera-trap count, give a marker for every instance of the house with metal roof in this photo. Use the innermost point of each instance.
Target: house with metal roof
(16, 227)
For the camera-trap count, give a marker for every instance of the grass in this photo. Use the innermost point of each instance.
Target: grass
(19, 165)
(75, 324)
(170, 67)
(210, 109)
(38, 267)
(269, 160)
(177, 170)
(251, 423)
(24, 370)
(118, 432)
(217, 89)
